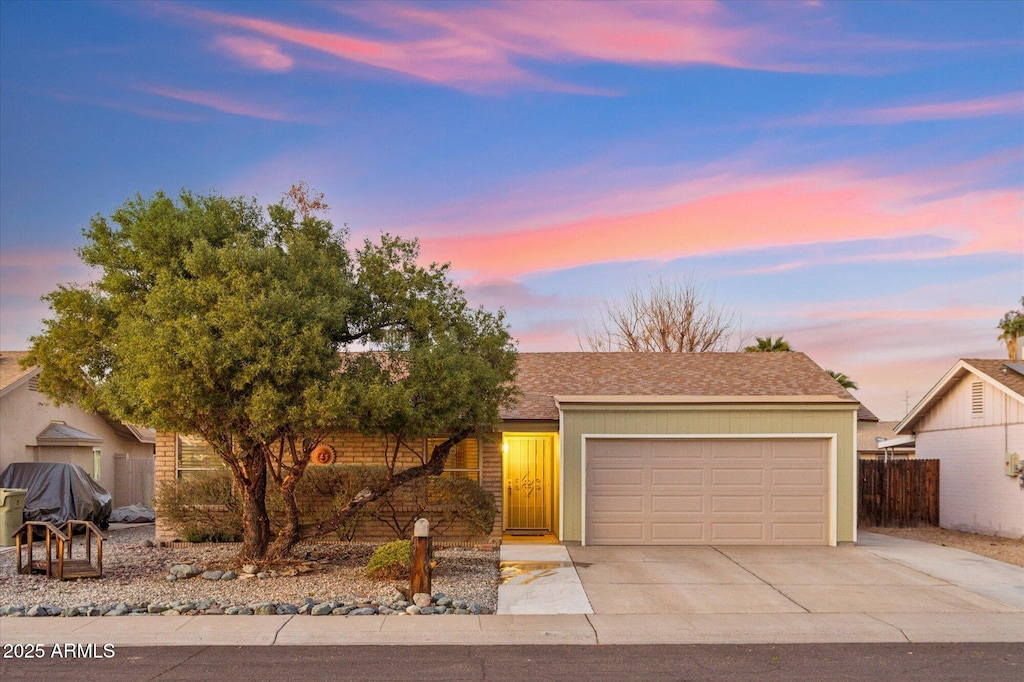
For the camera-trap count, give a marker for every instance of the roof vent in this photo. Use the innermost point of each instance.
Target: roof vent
(33, 383)
(977, 398)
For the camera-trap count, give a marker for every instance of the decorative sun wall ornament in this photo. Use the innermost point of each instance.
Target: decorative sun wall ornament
(323, 455)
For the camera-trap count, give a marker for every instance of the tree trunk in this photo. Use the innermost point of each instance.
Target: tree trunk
(289, 533)
(255, 520)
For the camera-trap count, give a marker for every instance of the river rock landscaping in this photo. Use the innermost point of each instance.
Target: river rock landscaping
(323, 579)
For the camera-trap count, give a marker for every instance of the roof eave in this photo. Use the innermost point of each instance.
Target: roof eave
(957, 372)
(20, 380)
(702, 399)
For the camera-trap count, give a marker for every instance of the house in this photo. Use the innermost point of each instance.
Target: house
(972, 420)
(877, 439)
(119, 456)
(650, 448)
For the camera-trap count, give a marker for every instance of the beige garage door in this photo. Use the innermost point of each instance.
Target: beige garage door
(711, 491)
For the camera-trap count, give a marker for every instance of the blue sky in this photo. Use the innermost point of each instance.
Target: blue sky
(848, 175)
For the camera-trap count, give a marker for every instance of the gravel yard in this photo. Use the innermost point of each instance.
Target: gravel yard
(1003, 549)
(135, 574)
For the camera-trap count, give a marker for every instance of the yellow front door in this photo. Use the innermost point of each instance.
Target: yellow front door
(529, 476)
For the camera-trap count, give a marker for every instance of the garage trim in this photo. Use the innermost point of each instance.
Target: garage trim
(832, 438)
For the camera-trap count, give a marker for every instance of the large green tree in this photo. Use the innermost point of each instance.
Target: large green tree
(262, 332)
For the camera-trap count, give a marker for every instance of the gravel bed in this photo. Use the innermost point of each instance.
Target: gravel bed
(136, 574)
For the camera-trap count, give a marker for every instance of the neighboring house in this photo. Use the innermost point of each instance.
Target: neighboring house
(650, 448)
(875, 439)
(973, 422)
(119, 456)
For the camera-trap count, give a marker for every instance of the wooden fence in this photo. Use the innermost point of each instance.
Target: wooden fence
(133, 480)
(899, 493)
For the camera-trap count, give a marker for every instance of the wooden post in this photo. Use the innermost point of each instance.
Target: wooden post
(422, 555)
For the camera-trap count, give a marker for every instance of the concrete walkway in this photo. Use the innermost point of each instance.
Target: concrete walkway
(539, 579)
(886, 590)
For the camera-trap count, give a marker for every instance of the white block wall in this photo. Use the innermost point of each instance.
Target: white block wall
(974, 493)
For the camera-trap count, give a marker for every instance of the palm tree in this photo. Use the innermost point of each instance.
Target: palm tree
(1012, 326)
(769, 345)
(844, 381)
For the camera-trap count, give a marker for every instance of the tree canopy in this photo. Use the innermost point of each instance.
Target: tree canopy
(768, 345)
(844, 381)
(262, 332)
(1012, 328)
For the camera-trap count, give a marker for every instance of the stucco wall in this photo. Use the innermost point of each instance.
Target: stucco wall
(710, 419)
(24, 413)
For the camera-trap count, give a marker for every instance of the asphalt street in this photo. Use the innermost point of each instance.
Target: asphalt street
(875, 662)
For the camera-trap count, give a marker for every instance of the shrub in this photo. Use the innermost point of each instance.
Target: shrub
(451, 503)
(205, 508)
(390, 561)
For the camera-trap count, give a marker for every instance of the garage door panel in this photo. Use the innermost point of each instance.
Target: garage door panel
(797, 532)
(732, 504)
(751, 532)
(677, 533)
(795, 449)
(677, 503)
(799, 477)
(693, 491)
(619, 503)
(615, 477)
(797, 504)
(677, 477)
(737, 477)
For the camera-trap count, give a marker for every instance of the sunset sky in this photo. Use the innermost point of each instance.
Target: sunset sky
(848, 175)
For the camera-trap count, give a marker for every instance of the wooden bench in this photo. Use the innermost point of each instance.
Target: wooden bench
(64, 566)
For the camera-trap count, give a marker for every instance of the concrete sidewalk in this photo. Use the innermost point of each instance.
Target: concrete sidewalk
(883, 590)
(792, 628)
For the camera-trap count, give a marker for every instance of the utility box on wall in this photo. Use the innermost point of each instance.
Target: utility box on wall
(1012, 464)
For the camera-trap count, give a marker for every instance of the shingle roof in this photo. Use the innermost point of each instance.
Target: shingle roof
(868, 432)
(57, 433)
(542, 376)
(998, 370)
(10, 370)
(865, 415)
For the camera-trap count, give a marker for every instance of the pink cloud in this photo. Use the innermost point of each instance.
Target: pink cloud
(1009, 104)
(801, 209)
(253, 52)
(219, 102)
(477, 47)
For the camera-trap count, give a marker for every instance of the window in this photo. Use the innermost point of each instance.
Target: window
(195, 455)
(977, 398)
(463, 460)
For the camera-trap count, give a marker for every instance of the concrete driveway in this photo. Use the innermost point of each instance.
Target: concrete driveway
(766, 580)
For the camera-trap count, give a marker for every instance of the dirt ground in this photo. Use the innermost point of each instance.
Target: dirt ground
(1004, 549)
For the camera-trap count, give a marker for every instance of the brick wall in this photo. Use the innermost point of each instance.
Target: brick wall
(164, 472)
(353, 448)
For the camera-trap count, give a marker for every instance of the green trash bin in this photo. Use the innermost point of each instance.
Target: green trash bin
(12, 508)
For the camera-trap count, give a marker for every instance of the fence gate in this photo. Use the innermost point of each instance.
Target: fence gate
(899, 493)
(133, 480)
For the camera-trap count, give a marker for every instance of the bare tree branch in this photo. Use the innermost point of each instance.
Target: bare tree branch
(667, 317)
